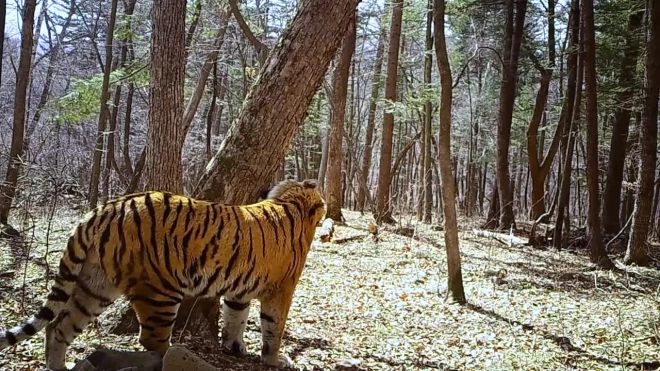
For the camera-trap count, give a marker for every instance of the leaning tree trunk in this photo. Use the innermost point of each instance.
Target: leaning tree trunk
(250, 155)
(384, 177)
(339, 90)
(637, 251)
(617, 158)
(8, 190)
(597, 248)
(455, 278)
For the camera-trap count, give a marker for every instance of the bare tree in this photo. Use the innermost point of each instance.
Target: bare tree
(103, 114)
(363, 192)
(637, 251)
(384, 177)
(598, 255)
(8, 189)
(454, 275)
(339, 90)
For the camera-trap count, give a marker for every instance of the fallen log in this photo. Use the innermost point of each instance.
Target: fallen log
(506, 239)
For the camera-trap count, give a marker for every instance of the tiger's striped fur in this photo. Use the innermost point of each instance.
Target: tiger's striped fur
(155, 248)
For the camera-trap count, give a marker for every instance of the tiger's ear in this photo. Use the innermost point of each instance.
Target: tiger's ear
(310, 183)
(263, 194)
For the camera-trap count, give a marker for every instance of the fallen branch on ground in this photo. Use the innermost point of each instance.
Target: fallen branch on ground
(506, 239)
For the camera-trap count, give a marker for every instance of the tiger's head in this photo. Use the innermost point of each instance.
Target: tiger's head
(307, 192)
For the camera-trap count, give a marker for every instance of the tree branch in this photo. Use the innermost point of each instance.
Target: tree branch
(262, 49)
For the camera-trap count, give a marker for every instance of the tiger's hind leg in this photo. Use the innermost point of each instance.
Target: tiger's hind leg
(91, 296)
(274, 312)
(234, 317)
(156, 313)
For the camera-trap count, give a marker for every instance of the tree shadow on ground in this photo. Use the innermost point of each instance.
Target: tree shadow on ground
(565, 343)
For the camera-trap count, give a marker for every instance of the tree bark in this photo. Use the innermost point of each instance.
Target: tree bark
(454, 275)
(162, 156)
(165, 132)
(617, 157)
(248, 157)
(598, 254)
(339, 91)
(3, 4)
(371, 120)
(513, 42)
(571, 108)
(384, 210)
(539, 170)
(20, 100)
(638, 252)
(103, 114)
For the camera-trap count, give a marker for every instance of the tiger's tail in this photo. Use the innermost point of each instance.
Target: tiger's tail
(65, 281)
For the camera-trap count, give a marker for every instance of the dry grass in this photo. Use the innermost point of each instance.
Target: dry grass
(366, 305)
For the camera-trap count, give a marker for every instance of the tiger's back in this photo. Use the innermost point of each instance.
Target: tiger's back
(155, 248)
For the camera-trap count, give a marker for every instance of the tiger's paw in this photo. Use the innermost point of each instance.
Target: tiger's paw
(281, 361)
(234, 348)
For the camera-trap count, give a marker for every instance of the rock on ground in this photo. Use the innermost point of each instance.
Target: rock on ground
(179, 358)
(114, 360)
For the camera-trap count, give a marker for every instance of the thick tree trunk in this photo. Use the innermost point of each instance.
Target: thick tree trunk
(617, 157)
(103, 114)
(249, 157)
(162, 159)
(339, 90)
(384, 207)
(513, 41)
(637, 251)
(8, 190)
(455, 277)
(371, 121)
(597, 248)
(165, 133)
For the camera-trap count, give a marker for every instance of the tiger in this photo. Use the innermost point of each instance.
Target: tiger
(155, 248)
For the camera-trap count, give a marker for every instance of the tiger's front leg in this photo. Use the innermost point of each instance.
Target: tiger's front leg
(274, 312)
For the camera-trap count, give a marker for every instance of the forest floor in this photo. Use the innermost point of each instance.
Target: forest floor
(380, 305)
